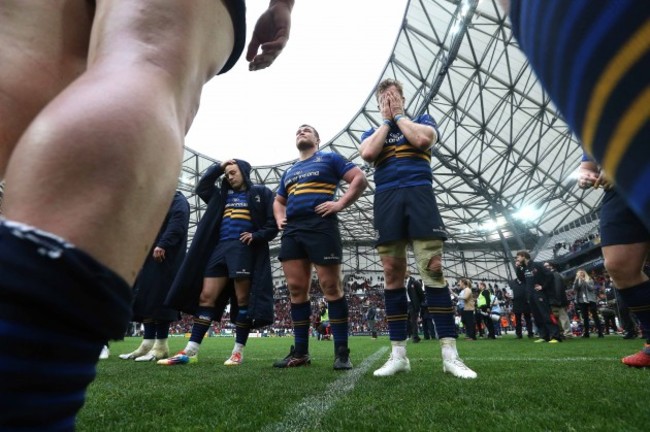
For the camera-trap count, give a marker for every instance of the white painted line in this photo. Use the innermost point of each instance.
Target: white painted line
(307, 414)
(519, 358)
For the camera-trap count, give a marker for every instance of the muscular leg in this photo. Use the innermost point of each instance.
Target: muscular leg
(624, 263)
(394, 271)
(122, 122)
(83, 148)
(49, 66)
(393, 259)
(204, 315)
(329, 277)
(428, 257)
(298, 274)
(243, 322)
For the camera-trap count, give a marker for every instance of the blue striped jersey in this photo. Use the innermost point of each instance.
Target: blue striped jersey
(311, 182)
(400, 165)
(592, 57)
(236, 216)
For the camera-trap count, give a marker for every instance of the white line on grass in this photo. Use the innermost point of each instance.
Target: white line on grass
(542, 359)
(307, 414)
(520, 358)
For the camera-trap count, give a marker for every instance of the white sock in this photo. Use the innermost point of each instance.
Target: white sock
(239, 348)
(399, 348)
(448, 348)
(161, 344)
(192, 348)
(145, 345)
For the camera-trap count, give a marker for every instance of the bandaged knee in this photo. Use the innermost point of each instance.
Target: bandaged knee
(428, 258)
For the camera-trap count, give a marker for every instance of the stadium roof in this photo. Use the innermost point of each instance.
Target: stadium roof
(504, 169)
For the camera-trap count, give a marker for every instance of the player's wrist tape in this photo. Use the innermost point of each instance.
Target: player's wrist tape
(398, 117)
(389, 123)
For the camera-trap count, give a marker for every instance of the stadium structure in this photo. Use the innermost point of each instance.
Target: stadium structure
(505, 166)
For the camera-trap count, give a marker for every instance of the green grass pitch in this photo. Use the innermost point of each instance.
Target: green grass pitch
(578, 385)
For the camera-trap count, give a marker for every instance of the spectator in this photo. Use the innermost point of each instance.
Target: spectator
(585, 298)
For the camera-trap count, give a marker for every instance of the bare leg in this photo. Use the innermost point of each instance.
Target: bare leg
(50, 67)
(98, 166)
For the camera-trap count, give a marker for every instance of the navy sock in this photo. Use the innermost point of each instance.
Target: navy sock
(54, 299)
(300, 315)
(396, 313)
(338, 313)
(637, 299)
(243, 324)
(202, 321)
(149, 329)
(162, 329)
(441, 310)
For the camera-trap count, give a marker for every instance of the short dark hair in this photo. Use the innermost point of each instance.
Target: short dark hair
(524, 254)
(312, 128)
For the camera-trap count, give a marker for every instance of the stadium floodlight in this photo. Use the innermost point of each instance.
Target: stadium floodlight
(528, 213)
(492, 224)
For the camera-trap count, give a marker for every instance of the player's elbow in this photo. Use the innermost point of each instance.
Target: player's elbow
(423, 142)
(367, 155)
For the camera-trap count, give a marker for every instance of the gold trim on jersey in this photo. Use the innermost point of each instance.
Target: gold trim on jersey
(234, 213)
(311, 187)
(402, 151)
(635, 114)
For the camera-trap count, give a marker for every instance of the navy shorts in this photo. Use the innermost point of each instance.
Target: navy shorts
(619, 224)
(407, 214)
(41, 274)
(316, 239)
(237, 10)
(232, 259)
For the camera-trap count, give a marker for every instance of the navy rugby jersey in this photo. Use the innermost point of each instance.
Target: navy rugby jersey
(592, 56)
(311, 182)
(236, 216)
(400, 165)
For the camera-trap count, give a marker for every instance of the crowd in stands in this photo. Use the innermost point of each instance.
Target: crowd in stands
(366, 291)
(579, 244)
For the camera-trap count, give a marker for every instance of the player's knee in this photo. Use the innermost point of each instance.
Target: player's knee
(206, 299)
(434, 277)
(331, 288)
(623, 272)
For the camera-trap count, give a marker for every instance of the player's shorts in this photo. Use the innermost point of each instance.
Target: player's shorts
(618, 223)
(41, 274)
(237, 9)
(232, 259)
(314, 238)
(407, 213)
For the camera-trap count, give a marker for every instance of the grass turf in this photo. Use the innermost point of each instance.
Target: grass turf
(578, 385)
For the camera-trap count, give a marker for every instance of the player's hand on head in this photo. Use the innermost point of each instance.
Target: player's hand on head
(384, 107)
(227, 162)
(270, 35)
(396, 104)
